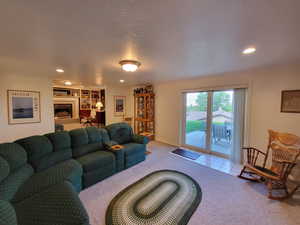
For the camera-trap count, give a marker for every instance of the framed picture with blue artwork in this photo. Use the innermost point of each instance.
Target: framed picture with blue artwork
(23, 107)
(119, 105)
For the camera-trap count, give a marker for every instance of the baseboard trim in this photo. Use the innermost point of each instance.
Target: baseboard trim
(167, 143)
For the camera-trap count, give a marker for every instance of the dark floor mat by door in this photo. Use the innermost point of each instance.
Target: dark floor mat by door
(186, 153)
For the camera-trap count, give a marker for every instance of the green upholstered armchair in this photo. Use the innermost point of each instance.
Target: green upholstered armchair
(134, 146)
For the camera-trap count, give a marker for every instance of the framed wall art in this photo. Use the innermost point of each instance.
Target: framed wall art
(290, 101)
(23, 107)
(120, 104)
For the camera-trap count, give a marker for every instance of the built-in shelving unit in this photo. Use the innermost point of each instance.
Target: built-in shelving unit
(65, 92)
(88, 99)
(85, 100)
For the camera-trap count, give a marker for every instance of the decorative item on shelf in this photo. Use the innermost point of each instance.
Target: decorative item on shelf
(119, 105)
(23, 107)
(148, 89)
(65, 92)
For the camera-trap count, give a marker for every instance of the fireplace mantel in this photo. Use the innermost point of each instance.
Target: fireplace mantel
(69, 100)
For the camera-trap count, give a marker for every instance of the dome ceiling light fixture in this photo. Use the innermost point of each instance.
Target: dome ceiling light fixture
(249, 50)
(130, 65)
(68, 83)
(60, 70)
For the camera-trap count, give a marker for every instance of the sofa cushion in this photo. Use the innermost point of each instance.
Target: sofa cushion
(96, 160)
(11, 184)
(59, 204)
(86, 149)
(120, 132)
(79, 137)
(51, 159)
(134, 148)
(7, 214)
(4, 169)
(92, 177)
(14, 154)
(94, 134)
(61, 144)
(67, 171)
(36, 147)
(104, 135)
(61, 141)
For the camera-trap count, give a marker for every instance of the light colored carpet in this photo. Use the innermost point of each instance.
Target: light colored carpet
(226, 200)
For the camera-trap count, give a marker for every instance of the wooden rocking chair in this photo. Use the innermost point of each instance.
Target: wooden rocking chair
(285, 149)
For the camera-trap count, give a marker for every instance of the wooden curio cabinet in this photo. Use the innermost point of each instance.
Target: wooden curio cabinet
(144, 114)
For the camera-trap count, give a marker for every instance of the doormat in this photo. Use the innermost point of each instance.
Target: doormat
(187, 154)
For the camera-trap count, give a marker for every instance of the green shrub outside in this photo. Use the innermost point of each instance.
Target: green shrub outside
(197, 125)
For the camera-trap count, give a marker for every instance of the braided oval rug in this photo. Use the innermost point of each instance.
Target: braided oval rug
(162, 197)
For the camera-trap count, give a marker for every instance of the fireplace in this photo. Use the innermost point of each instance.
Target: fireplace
(63, 111)
(66, 108)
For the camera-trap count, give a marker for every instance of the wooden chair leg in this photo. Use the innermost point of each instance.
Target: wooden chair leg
(282, 197)
(270, 189)
(293, 191)
(241, 173)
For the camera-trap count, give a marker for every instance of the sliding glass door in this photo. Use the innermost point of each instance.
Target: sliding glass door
(196, 119)
(208, 121)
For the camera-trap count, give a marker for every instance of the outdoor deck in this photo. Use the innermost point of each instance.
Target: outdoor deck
(197, 139)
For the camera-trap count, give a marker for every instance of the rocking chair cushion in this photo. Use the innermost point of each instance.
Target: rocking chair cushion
(263, 171)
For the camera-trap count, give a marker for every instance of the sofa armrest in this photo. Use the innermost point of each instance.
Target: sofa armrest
(140, 139)
(119, 154)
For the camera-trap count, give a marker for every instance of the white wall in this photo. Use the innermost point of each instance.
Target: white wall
(25, 82)
(110, 93)
(265, 86)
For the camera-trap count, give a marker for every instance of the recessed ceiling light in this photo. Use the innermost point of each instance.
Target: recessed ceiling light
(68, 83)
(130, 65)
(249, 50)
(59, 70)
(122, 81)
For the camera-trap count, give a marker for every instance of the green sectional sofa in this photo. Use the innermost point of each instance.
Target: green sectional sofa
(41, 176)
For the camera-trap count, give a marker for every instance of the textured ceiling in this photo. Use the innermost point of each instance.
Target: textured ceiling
(173, 39)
